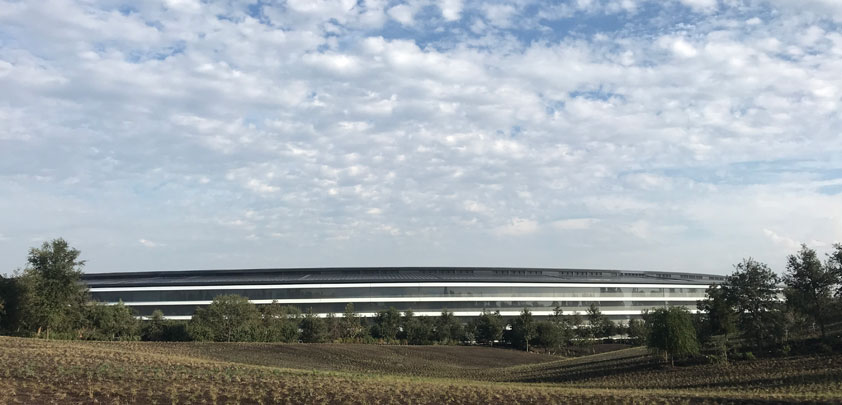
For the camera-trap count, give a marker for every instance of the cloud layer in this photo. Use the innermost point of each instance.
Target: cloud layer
(677, 135)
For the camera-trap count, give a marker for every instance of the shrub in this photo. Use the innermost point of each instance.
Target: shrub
(671, 332)
(229, 318)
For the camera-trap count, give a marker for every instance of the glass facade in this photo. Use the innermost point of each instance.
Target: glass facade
(617, 301)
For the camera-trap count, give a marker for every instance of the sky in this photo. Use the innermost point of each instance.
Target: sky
(672, 135)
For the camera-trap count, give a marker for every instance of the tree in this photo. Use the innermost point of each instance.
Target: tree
(718, 314)
(158, 329)
(752, 290)
(352, 328)
(333, 328)
(416, 330)
(229, 318)
(110, 322)
(387, 324)
(52, 294)
(448, 329)
(489, 327)
(598, 324)
(312, 328)
(638, 331)
(834, 263)
(420, 330)
(10, 295)
(280, 323)
(153, 328)
(671, 332)
(810, 285)
(556, 332)
(523, 329)
(549, 336)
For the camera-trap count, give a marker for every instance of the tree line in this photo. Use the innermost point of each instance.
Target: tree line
(753, 309)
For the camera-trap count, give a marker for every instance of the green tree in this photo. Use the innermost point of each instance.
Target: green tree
(153, 328)
(565, 324)
(638, 331)
(312, 328)
(334, 331)
(419, 330)
(156, 328)
(523, 329)
(489, 327)
(416, 330)
(752, 290)
(549, 336)
(52, 294)
(229, 318)
(10, 295)
(448, 328)
(280, 323)
(110, 322)
(810, 286)
(352, 328)
(598, 324)
(387, 324)
(671, 332)
(556, 332)
(718, 313)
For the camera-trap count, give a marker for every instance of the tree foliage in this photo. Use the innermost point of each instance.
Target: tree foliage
(313, 328)
(638, 331)
(488, 327)
(52, 295)
(810, 285)
(718, 311)
(671, 332)
(387, 324)
(10, 296)
(524, 329)
(351, 326)
(229, 318)
(448, 329)
(752, 292)
(110, 322)
(279, 323)
(598, 324)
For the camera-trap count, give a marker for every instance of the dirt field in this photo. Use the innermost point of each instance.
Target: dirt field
(41, 372)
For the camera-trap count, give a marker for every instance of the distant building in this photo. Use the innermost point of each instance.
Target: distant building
(465, 291)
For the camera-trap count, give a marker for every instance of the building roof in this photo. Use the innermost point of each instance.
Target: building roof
(337, 275)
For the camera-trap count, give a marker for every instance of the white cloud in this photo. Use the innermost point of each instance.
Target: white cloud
(705, 6)
(787, 243)
(451, 10)
(148, 243)
(575, 224)
(518, 227)
(451, 134)
(403, 13)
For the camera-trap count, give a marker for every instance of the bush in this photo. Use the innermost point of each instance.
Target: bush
(229, 318)
(671, 332)
(488, 327)
(279, 323)
(110, 322)
(312, 328)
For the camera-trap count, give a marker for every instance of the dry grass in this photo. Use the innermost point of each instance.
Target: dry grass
(40, 372)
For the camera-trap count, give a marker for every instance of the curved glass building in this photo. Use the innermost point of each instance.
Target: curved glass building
(465, 291)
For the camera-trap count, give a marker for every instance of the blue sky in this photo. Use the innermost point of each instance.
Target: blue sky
(657, 135)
